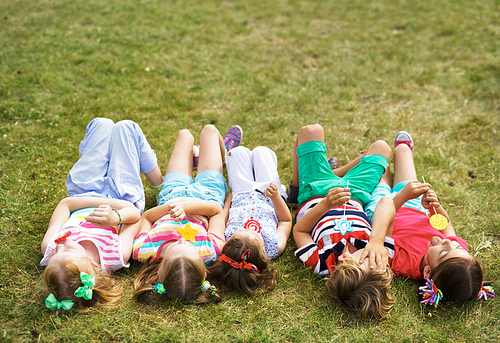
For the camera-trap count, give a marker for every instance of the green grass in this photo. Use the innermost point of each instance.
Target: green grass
(362, 69)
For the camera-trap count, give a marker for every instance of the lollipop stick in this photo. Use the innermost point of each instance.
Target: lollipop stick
(432, 207)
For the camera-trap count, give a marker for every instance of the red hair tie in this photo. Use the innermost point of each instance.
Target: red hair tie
(63, 237)
(250, 267)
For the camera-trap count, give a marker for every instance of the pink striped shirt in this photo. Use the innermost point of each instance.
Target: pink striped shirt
(105, 239)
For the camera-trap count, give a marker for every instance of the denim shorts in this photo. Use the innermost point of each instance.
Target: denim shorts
(208, 185)
(384, 190)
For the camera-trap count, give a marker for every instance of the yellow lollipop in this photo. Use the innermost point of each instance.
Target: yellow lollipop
(437, 221)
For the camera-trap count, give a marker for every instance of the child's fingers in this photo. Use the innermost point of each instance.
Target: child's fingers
(363, 256)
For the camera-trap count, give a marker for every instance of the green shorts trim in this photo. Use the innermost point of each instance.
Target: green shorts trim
(316, 178)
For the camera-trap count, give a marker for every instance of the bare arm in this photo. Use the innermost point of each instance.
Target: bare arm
(227, 205)
(302, 229)
(341, 171)
(430, 201)
(178, 209)
(127, 235)
(68, 205)
(283, 215)
(383, 217)
(411, 190)
(217, 224)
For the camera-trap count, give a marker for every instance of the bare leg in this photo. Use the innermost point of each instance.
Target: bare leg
(386, 177)
(377, 148)
(307, 133)
(181, 160)
(404, 168)
(212, 149)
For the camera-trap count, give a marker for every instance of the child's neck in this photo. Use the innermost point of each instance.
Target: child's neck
(422, 265)
(92, 250)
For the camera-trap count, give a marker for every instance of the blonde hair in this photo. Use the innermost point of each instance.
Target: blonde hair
(366, 292)
(241, 281)
(62, 280)
(182, 278)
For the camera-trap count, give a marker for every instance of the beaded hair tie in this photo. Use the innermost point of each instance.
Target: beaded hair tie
(485, 292)
(431, 295)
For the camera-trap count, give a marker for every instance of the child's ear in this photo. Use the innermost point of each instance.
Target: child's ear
(427, 272)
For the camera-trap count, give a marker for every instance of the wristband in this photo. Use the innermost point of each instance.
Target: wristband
(119, 217)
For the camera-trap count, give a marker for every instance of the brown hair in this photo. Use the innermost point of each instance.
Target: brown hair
(458, 278)
(63, 279)
(181, 277)
(242, 281)
(366, 292)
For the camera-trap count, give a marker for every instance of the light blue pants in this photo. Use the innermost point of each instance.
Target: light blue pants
(113, 156)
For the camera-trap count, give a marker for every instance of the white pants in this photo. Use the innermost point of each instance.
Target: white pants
(250, 170)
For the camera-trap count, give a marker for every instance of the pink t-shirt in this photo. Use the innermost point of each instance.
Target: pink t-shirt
(412, 231)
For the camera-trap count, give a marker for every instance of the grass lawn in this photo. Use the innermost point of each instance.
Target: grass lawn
(362, 69)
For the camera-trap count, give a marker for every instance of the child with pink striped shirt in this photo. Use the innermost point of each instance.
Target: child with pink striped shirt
(90, 233)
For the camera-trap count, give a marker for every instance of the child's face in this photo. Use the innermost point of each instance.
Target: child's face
(440, 250)
(355, 256)
(246, 234)
(181, 248)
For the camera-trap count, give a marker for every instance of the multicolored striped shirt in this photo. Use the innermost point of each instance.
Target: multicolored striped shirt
(330, 240)
(148, 244)
(106, 240)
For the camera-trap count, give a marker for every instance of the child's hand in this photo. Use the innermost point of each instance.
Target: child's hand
(271, 191)
(430, 199)
(199, 218)
(414, 189)
(377, 254)
(103, 216)
(336, 197)
(176, 211)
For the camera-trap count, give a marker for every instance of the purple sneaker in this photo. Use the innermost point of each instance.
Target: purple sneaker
(233, 137)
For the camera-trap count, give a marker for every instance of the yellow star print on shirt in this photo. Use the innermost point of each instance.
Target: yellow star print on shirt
(188, 233)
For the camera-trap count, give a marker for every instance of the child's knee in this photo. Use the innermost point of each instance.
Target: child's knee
(126, 126)
(380, 147)
(185, 135)
(101, 122)
(311, 129)
(402, 149)
(209, 129)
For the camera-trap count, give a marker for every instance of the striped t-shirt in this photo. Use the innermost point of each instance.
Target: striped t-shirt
(164, 230)
(106, 240)
(330, 240)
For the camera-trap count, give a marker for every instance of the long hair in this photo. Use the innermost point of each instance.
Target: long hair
(63, 279)
(458, 278)
(241, 281)
(365, 292)
(181, 277)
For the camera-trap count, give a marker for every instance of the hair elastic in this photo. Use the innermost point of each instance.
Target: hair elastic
(158, 288)
(485, 292)
(430, 293)
(206, 286)
(250, 267)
